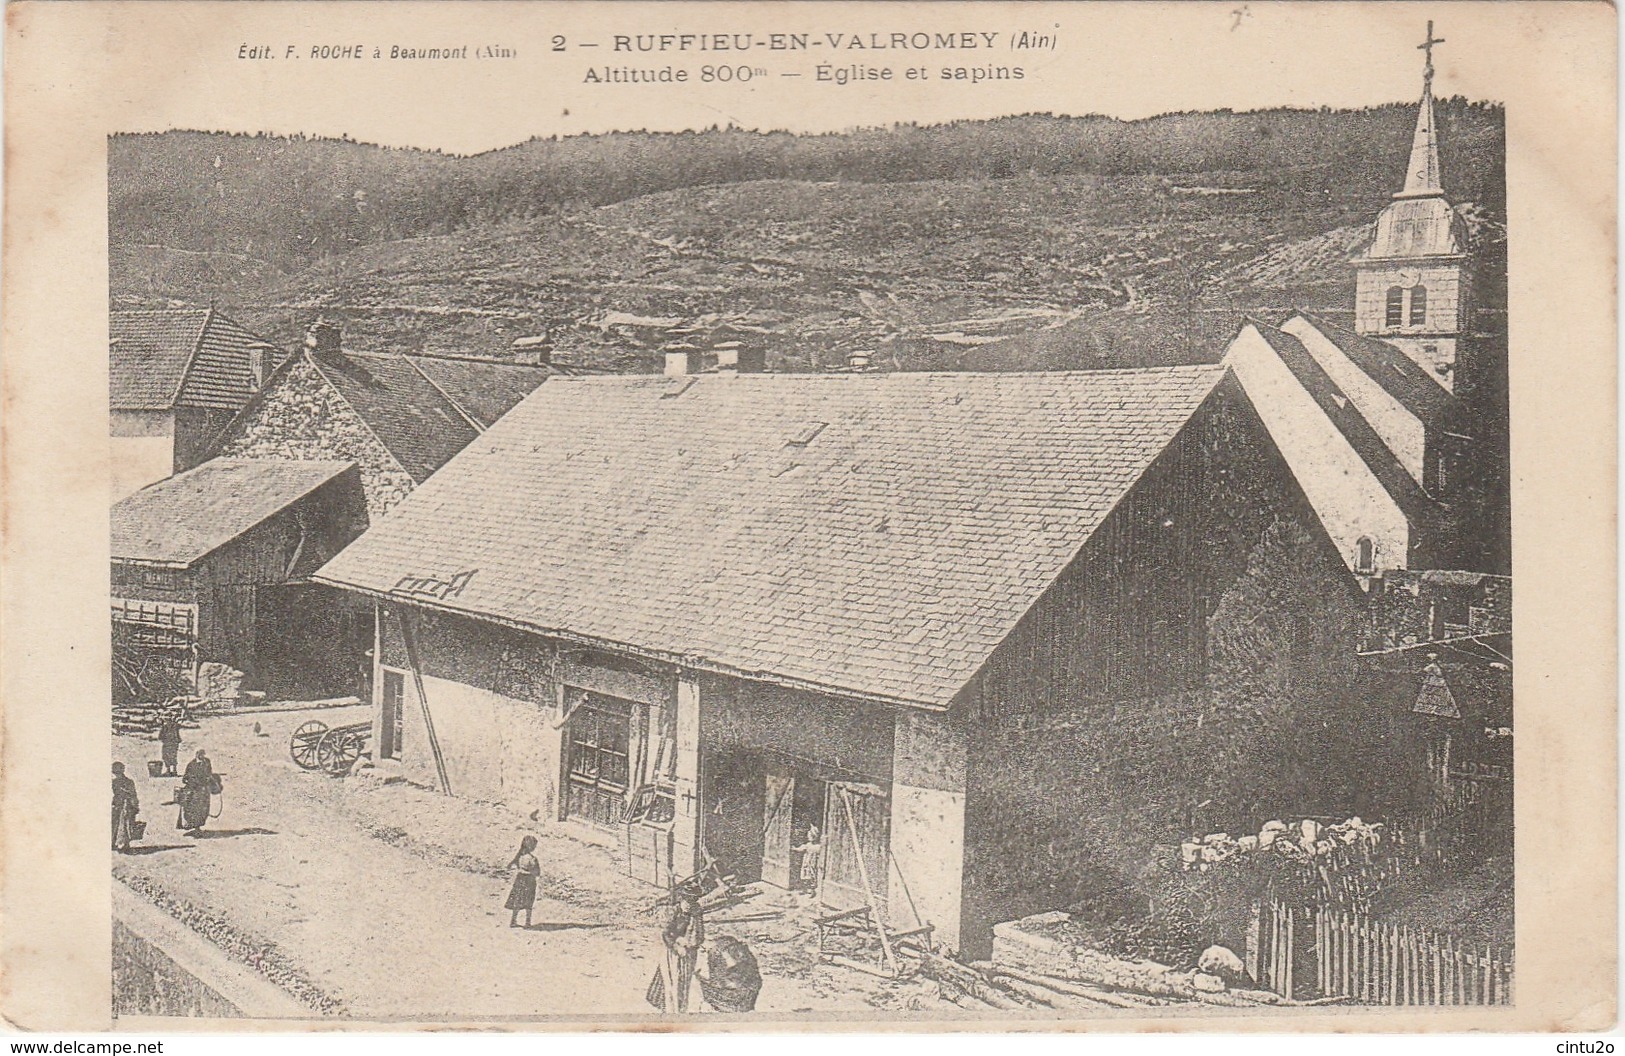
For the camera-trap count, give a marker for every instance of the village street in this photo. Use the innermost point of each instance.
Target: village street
(389, 899)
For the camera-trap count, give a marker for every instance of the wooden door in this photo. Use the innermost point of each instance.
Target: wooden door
(857, 836)
(778, 835)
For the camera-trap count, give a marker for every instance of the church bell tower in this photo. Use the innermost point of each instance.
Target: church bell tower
(1412, 287)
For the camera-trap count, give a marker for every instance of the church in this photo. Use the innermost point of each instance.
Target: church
(1397, 429)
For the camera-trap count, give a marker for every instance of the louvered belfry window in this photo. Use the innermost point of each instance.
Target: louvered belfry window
(1419, 305)
(1396, 306)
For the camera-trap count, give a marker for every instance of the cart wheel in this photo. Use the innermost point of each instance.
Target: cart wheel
(344, 751)
(304, 743)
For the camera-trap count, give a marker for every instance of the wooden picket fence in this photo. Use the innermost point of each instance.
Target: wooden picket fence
(1384, 964)
(1371, 962)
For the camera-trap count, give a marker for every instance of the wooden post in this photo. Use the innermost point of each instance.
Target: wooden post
(407, 639)
(1254, 928)
(863, 874)
(1291, 949)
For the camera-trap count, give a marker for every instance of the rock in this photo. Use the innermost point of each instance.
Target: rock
(1223, 963)
(1054, 916)
(1207, 984)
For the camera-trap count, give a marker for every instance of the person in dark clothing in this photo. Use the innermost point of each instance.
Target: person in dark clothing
(682, 936)
(733, 979)
(169, 737)
(126, 805)
(523, 893)
(197, 785)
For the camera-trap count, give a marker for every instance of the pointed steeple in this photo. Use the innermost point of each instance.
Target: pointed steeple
(1422, 175)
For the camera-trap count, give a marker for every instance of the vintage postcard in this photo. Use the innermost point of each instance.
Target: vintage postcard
(801, 515)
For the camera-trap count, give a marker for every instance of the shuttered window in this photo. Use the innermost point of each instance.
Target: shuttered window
(1419, 305)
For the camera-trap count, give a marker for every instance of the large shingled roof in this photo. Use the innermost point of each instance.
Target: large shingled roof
(195, 357)
(190, 515)
(872, 534)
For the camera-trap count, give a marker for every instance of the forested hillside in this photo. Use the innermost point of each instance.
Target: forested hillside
(1030, 241)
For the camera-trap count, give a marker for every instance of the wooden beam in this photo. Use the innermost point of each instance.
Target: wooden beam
(423, 701)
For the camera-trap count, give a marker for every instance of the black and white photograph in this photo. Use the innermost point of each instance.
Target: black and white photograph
(989, 526)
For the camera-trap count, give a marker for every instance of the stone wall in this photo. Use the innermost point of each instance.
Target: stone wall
(299, 417)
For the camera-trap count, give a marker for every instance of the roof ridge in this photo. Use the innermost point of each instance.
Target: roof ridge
(435, 385)
(191, 357)
(488, 360)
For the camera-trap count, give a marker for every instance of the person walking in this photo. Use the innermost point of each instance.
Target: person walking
(522, 895)
(126, 805)
(683, 936)
(197, 786)
(169, 737)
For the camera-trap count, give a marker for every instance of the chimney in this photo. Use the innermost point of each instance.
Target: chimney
(733, 357)
(324, 338)
(859, 360)
(534, 351)
(681, 362)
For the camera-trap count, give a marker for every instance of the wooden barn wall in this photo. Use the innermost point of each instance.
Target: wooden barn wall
(152, 583)
(1207, 661)
(228, 580)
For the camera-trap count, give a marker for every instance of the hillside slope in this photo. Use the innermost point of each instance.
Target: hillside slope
(1055, 242)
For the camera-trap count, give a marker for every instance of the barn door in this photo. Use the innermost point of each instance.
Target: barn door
(777, 834)
(857, 834)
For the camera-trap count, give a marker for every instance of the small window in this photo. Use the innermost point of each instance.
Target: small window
(1442, 481)
(1365, 556)
(1396, 306)
(1419, 305)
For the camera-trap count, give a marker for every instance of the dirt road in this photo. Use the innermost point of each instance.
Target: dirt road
(389, 899)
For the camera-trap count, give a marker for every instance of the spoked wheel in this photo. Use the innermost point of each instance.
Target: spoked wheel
(340, 749)
(305, 743)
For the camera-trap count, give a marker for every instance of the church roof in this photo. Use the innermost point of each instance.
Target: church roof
(1418, 227)
(1399, 375)
(871, 534)
(1422, 175)
(1420, 222)
(1361, 435)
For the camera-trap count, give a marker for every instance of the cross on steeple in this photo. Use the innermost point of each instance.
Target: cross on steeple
(1427, 46)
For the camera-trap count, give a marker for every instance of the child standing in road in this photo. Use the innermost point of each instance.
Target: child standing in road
(523, 893)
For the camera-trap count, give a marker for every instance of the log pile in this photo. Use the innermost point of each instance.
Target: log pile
(1306, 840)
(1035, 971)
